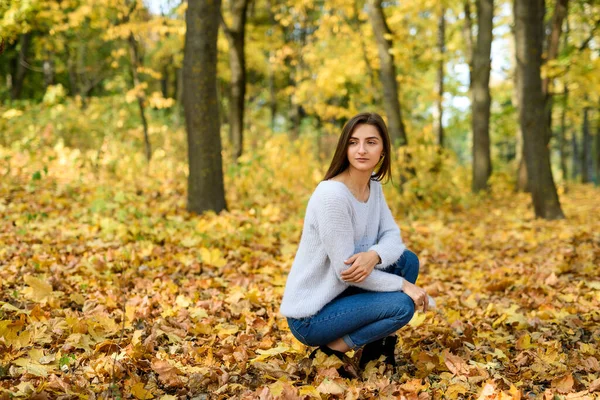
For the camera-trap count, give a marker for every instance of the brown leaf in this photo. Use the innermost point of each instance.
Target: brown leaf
(455, 364)
(594, 386)
(168, 375)
(331, 387)
(563, 384)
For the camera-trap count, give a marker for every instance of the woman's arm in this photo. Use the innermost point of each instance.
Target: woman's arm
(337, 235)
(389, 244)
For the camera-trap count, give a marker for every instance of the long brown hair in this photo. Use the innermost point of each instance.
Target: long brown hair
(340, 162)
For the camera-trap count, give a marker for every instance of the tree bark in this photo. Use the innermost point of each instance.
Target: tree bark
(586, 146)
(562, 142)
(356, 25)
(529, 31)
(575, 161)
(468, 36)
(48, 68)
(480, 92)
(438, 111)
(391, 100)
(553, 41)
(135, 63)
(19, 68)
(205, 180)
(272, 91)
(72, 69)
(164, 82)
(598, 147)
(235, 35)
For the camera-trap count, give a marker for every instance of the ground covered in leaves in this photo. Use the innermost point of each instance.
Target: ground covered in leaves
(110, 289)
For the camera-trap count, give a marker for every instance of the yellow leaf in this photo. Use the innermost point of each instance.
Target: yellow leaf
(198, 313)
(276, 388)
(38, 290)
(417, 319)
(140, 392)
(309, 390)
(456, 390)
(524, 342)
(212, 257)
(33, 367)
(325, 361)
(224, 330)
(264, 354)
(11, 334)
(182, 301)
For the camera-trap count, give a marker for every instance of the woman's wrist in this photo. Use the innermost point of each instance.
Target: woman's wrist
(376, 257)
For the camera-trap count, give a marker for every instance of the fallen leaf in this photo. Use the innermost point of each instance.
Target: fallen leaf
(330, 387)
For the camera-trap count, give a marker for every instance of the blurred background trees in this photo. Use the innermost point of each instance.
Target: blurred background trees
(90, 73)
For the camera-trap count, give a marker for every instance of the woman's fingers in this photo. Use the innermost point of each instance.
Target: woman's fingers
(349, 272)
(354, 274)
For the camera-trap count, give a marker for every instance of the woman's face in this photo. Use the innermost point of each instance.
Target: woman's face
(365, 148)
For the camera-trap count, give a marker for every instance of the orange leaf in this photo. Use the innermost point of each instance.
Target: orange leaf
(563, 384)
(455, 364)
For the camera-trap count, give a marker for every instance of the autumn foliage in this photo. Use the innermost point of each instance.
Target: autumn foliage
(110, 289)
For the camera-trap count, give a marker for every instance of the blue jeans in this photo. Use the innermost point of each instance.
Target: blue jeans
(360, 316)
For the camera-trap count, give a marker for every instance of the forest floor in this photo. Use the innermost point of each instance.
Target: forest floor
(110, 289)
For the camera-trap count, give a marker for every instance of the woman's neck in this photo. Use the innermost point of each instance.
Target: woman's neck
(357, 181)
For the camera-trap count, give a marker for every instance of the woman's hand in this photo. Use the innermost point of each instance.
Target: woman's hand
(361, 266)
(418, 295)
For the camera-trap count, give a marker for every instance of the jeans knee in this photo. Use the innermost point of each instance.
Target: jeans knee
(412, 261)
(405, 309)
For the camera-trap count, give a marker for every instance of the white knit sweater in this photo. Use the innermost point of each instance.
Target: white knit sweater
(336, 226)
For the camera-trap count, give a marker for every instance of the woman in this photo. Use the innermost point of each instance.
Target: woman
(352, 283)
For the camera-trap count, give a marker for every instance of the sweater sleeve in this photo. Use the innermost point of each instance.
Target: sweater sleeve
(337, 235)
(389, 244)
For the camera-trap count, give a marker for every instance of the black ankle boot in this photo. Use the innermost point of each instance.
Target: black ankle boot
(389, 345)
(348, 370)
(371, 352)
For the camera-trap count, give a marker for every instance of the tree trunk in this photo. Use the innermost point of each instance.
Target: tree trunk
(562, 141)
(235, 35)
(529, 31)
(438, 111)
(272, 91)
(72, 69)
(295, 76)
(135, 62)
(521, 181)
(19, 68)
(48, 68)
(575, 160)
(482, 163)
(598, 148)
(586, 146)
(391, 100)
(164, 82)
(552, 47)
(468, 37)
(205, 180)
(356, 24)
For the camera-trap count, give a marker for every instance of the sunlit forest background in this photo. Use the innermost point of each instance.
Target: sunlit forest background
(114, 283)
